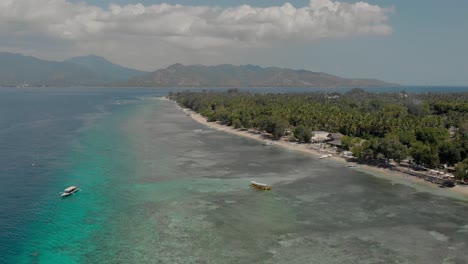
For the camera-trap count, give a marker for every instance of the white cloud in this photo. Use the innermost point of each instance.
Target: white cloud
(183, 29)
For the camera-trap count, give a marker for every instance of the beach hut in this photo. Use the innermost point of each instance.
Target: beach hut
(335, 143)
(335, 140)
(334, 136)
(320, 136)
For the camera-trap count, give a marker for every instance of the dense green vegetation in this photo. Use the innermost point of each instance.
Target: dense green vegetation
(376, 126)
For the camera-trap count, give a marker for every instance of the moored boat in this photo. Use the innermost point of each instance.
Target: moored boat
(69, 191)
(260, 186)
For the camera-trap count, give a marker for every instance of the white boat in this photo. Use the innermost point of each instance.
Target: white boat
(69, 191)
(352, 166)
(267, 143)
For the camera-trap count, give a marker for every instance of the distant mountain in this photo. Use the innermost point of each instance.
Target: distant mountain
(106, 69)
(17, 69)
(227, 75)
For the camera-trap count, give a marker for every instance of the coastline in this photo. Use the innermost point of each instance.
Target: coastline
(394, 176)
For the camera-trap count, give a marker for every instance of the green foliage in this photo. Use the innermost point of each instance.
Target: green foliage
(461, 170)
(346, 142)
(392, 148)
(449, 153)
(432, 135)
(443, 107)
(423, 154)
(236, 123)
(463, 146)
(375, 125)
(223, 116)
(406, 137)
(367, 150)
(302, 134)
(279, 128)
(358, 148)
(378, 148)
(394, 111)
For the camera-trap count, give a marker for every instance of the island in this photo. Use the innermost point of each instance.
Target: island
(423, 135)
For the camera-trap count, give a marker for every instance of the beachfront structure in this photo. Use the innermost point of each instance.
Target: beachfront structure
(335, 143)
(320, 136)
(335, 139)
(331, 139)
(334, 136)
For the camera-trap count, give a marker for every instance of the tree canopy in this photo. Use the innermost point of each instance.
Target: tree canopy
(375, 125)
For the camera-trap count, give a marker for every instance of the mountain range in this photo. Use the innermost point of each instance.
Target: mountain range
(227, 75)
(107, 70)
(17, 69)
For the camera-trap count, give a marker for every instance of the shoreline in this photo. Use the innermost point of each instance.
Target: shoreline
(392, 175)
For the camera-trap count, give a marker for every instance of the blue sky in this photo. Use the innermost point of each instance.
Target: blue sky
(427, 44)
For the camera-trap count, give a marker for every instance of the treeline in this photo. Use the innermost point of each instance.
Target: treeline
(431, 128)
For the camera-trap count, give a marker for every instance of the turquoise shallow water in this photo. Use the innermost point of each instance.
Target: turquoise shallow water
(95, 166)
(59, 230)
(160, 188)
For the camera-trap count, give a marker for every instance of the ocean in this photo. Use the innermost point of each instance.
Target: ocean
(157, 187)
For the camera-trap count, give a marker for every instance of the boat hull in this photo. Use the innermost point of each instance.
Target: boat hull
(260, 187)
(66, 194)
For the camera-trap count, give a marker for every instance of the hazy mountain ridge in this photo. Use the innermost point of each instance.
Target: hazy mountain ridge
(106, 69)
(17, 69)
(227, 75)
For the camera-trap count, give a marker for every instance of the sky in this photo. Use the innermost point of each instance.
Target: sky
(410, 42)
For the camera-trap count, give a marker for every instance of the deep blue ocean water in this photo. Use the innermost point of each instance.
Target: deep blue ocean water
(39, 135)
(150, 184)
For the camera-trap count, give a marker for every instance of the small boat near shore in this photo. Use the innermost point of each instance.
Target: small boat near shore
(325, 156)
(69, 191)
(260, 186)
(268, 143)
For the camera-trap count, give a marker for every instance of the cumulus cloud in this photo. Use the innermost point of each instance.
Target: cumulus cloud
(121, 27)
